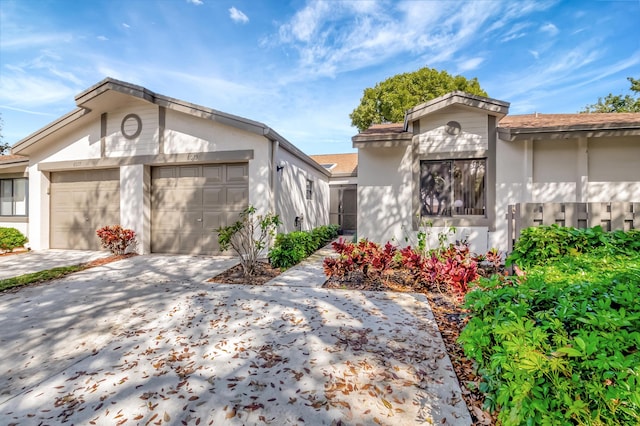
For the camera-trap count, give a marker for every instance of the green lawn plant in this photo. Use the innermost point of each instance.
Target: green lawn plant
(560, 345)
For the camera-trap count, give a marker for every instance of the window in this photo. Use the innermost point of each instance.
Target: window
(452, 187)
(13, 197)
(309, 189)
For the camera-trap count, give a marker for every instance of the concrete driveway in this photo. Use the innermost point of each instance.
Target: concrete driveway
(147, 341)
(34, 261)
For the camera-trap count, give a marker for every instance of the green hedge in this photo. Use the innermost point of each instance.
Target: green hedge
(540, 244)
(11, 238)
(289, 249)
(561, 344)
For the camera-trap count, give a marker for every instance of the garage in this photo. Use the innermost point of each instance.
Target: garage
(189, 201)
(81, 202)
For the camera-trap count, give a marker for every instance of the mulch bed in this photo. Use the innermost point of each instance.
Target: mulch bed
(264, 273)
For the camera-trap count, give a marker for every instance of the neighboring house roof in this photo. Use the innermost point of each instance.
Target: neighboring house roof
(11, 159)
(537, 125)
(14, 162)
(339, 164)
(104, 95)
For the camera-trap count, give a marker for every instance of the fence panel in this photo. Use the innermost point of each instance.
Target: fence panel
(611, 216)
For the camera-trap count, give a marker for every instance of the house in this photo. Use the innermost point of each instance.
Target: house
(460, 160)
(343, 204)
(170, 170)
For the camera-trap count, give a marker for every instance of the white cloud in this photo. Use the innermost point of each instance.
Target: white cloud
(550, 29)
(124, 24)
(102, 38)
(336, 37)
(32, 91)
(238, 16)
(469, 64)
(196, 2)
(535, 54)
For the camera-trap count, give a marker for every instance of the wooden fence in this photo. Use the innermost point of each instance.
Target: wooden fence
(611, 216)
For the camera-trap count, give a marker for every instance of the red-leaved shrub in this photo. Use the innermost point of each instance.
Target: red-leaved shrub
(117, 239)
(450, 268)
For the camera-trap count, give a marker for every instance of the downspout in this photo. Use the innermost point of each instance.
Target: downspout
(275, 145)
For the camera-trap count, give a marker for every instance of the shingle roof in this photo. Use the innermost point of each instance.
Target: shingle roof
(571, 121)
(384, 129)
(344, 163)
(12, 158)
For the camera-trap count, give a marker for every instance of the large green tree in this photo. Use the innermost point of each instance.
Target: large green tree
(618, 103)
(388, 100)
(4, 147)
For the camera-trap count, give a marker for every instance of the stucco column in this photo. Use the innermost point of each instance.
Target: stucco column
(582, 178)
(527, 188)
(135, 205)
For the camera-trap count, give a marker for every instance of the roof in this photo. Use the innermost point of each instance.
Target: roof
(466, 100)
(562, 125)
(10, 159)
(339, 164)
(378, 129)
(105, 94)
(539, 121)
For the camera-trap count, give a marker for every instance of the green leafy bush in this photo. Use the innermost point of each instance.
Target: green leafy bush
(11, 238)
(248, 237)
(289, 249)
(539, 244)
(561, 344)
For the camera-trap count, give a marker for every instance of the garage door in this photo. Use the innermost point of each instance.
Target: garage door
(189, 202)
(81, 202)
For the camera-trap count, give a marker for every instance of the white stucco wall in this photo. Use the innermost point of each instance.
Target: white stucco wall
(384, 193)
(291, 199)
(146, 143)
(433, 138)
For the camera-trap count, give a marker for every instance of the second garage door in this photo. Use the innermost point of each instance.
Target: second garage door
(81, 202)
(189, 202)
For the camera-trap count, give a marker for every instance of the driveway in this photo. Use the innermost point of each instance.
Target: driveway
(147, 340)
(34, 261)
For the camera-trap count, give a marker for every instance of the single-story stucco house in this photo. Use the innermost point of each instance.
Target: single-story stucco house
(170, 170)
(174, 171)
(459, 160)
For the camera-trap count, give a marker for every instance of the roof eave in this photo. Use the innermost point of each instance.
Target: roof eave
(47, 130)
(493, 106)
(382, 140)
(524, 133)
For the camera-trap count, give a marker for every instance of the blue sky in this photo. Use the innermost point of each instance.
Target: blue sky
(301, 66)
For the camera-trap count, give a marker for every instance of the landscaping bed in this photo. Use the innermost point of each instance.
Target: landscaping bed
(263, 274)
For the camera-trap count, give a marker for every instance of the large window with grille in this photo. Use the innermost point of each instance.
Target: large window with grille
(453, 187)
(13, 197)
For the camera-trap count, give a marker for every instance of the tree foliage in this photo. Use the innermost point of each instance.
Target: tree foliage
(388, 100)
(4, 147)
(618, 103)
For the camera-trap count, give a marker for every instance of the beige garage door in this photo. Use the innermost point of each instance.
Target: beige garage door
(189, 202)
(81, 202)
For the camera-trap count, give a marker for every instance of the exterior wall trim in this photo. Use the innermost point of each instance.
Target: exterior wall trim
(153, 160)
(14, 219)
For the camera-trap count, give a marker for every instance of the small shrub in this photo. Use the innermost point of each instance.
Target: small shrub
(117, 239)
(248, 237)
(11, 238)
(289, 249)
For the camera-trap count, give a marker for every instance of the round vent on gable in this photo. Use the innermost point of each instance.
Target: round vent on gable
(131, 126)
(453, 128)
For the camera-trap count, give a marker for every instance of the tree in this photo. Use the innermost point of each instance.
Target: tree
(618, 103)
(4, 147)
(388, 100)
